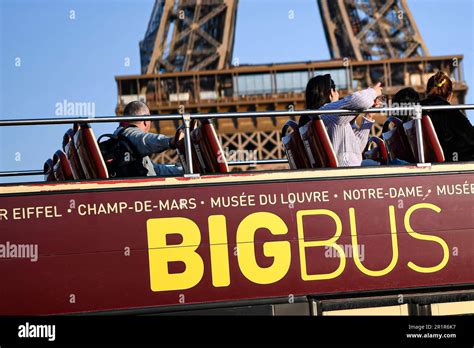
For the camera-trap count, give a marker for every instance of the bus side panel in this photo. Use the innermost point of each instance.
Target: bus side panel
(110, 250)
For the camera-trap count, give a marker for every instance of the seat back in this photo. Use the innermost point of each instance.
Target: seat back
(61, 167)
(378, 152)
(294, 147)
(317, 144)
(181, 148)
(48, 170)
(206, 150)
(89, 154)
(431, 146)
(396, 140)
(71, 153)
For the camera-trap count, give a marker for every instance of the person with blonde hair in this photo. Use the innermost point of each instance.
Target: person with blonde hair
(455, 132)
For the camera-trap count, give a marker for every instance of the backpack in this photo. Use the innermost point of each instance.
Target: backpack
(120, 156)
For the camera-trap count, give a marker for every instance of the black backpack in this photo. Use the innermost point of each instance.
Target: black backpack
(121, 157)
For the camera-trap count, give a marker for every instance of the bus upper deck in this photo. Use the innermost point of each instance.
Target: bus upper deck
(419, 139)
(314, 241)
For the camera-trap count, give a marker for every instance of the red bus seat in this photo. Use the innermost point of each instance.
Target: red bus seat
(294, 147)
(378, 153)
(432, 148)
(318, 145)
(396, 140)
(206, 150)
(61, 167)
(71, 153)
(88, 150)
(48, 170)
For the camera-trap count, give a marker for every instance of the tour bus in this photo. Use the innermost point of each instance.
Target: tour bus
(312, 239)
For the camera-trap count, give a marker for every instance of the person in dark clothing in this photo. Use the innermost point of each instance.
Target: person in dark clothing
(455, 132)
(146, 143)
(404, 98)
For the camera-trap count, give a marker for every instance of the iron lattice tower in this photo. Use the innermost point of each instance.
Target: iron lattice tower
(185, 35)
(186, 58)
(371, 29)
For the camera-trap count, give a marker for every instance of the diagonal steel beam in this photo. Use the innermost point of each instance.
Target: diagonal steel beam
(372, 23)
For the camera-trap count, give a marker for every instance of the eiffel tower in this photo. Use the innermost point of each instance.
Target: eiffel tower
(199, 35)
(187, 35)
(371, 29)
(186, 63)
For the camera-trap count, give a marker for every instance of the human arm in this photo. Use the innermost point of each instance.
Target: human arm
(362, 132)
(147, 143)
(357, 101)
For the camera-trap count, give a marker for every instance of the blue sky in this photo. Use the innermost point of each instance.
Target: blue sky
(56, 50)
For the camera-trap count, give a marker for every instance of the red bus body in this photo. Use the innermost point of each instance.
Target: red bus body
(130, 244)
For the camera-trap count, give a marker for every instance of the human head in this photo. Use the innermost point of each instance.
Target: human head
(440, 84)
(403, 98)
(406, 96)
(137, 108)
(319, 91)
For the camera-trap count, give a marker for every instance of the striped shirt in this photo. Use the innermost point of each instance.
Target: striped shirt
(349, 140)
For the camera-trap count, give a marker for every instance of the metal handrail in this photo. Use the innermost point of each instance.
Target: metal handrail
(108, 119)
(21, 173)
(186, 118)
(230, 163)
(257, 162)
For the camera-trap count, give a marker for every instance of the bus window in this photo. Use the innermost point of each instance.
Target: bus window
(385, 310)
(452, 308)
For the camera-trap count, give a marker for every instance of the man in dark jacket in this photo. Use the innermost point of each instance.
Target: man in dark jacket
(146, 143)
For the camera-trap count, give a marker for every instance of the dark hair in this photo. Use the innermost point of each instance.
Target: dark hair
(439, 84)
(318, 91)
(406, 95)
(136, 108)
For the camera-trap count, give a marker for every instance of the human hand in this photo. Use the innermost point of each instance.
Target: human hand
(378, 88)
(370, 117)
(380, 101)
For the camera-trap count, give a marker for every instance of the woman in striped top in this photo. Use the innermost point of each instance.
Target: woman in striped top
(347, 139)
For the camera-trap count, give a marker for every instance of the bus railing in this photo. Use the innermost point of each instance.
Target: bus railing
(21, 173)
(415, 110)
(230, 163)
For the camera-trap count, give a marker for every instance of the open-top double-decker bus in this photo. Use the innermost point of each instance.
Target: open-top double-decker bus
(386, 239)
